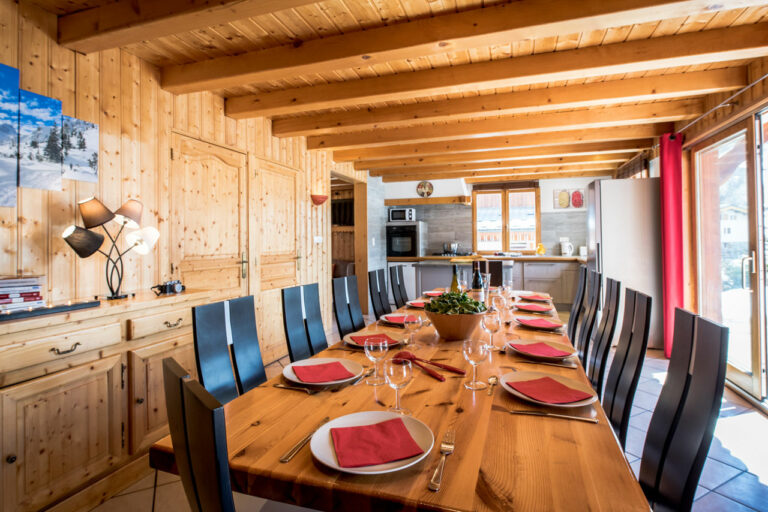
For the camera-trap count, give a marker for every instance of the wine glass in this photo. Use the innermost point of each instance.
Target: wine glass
(412, 323)
(491, 322)
(398, 373)
(375, 350)
(499, 303)
(486, 286)
(475, 352)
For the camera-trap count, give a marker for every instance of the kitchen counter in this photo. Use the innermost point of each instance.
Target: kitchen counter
(525, 258)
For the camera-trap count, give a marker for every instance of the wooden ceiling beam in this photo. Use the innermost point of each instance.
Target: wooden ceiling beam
(631, 90)
(126, 22)
(565, 150)
(452, 32)
(545, 176)
(530, 173)
(708, 46)
(421, 149)
(548, 121)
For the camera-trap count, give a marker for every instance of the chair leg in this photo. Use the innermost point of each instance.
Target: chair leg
(154, 492)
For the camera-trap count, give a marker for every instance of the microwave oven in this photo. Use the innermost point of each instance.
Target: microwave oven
(398, 214)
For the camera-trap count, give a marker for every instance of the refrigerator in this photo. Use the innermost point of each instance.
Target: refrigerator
(624, 241)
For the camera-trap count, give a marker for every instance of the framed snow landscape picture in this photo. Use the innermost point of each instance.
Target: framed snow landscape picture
(39, 141)
(80, 149)
(9, 134)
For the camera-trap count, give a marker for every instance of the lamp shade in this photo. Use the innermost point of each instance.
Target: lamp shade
(94, 213)
(82, 241)
(129, 214)
(143, 240)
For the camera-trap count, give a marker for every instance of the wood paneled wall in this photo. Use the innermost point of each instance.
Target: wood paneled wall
(136, 118)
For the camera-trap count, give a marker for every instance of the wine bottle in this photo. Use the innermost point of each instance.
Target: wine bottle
(455, 280)
(477, 282)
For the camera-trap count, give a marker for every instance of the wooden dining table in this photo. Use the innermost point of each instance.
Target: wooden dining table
(500, 462)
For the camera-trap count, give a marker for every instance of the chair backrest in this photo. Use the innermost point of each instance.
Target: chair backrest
(624, 374)
(174, 377)
(340, 307)
(315, 329)
(603, 335)
(578, 301)
(214, 366)
(496, 269)
(206, 432)
(293, 323)
(246, 354)
(394, 284)
(358, 322)
(385, 307)
(666, 414)
(373, 287)
(692, 436)
(401, 284)
(588, 318)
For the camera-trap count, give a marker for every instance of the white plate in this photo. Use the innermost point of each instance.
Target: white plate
(553, 344)
(523, 376)
(352, 367)
(432, 291)
(322, 449)
(348, 339)
(546, 329)
(410, 303)
(383, 318)
(545, 297)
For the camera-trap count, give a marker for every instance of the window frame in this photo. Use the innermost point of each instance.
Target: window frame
(505, 216)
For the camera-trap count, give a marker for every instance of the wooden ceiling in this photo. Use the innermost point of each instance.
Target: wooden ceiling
(413, 89)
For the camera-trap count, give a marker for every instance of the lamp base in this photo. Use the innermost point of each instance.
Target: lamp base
(114, 297)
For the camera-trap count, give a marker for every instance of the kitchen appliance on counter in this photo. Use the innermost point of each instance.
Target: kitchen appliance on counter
(566, 247)
(402, 214)
(450, 247)
(406, 239)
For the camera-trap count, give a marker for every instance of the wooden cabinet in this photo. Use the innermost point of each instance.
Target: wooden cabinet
(555, 278)
(146, 400)
(60, 431)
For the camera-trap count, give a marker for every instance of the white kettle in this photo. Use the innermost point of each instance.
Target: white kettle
(566, 248)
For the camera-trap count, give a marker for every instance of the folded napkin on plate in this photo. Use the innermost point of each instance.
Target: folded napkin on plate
(533, 307)
(539, 323)
(535, 297)
(368, 445)
(398, 319)
(548, 390)
(323, 372)
(416, 304)
(539, 349)
(433, 294)
(360, 339)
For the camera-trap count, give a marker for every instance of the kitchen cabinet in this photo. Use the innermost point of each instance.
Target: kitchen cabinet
(555, 278)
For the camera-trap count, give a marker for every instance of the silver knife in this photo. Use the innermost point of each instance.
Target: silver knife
(554, 415)
(287, 456)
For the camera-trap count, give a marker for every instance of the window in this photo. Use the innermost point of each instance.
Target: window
(506, 220)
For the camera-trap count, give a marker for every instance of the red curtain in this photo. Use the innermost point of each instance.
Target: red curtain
(671, 162)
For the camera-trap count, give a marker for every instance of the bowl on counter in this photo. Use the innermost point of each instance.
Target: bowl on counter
(455, 327)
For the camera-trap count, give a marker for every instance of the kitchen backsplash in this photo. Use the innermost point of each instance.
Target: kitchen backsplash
(572, 224)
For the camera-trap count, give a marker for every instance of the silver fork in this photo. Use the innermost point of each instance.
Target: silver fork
(446, 448)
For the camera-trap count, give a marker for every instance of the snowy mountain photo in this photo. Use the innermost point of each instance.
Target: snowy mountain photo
(40, 148)
(80, 149)
(9, 134)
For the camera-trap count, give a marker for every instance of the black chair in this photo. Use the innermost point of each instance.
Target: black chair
(373, 287)
(293, 323)
(174, 377)
(315, 329)
(666, 413)
(401, 284)
(358, 322)
(246, 354)
(578, 301)
(214, 366)
(691, 439)
(603, 336)
(385, 307)
(588, 316)
(496, 269)
(206, 432)
(627, 362)
(394, 284)
(341, 310)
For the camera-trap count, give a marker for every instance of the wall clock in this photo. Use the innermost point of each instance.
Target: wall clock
(424, 189)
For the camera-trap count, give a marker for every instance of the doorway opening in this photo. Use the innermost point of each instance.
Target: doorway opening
(349, 233)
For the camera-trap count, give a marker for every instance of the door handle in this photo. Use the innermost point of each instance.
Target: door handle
(745, 259)
(244, 264)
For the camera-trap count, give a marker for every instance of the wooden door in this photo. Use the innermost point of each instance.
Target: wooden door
(60, 431)
(148, 418)
(208, 243)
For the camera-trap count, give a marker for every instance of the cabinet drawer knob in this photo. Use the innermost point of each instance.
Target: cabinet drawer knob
(171, 325)
(10, 459)
(63, 352)
(139, 400)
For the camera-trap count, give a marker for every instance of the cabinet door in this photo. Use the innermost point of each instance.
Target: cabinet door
(148, 419)
(60, 431)
(570, 276)
(545, 285)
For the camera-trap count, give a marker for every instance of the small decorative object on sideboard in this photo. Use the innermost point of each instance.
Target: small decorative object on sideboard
(21, 297)
(168, 288)
(86, 242)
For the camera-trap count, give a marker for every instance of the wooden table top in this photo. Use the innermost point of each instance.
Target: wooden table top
(501, 461)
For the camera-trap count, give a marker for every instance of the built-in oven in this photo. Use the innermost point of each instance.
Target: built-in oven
(406, 239)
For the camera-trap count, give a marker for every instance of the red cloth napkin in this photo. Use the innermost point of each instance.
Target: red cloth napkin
(324, 372)
(416, 304)
(397, 319)
(538, 308)
(548, 390)
(368, 445)
(534, 297)
(539, 323)
(433, 294)
(360, 340)
(539, 349)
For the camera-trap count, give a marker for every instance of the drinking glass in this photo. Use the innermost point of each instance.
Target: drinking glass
(491, 322)
(398, 373)
(499, 303)
(375, 350)
(486, 286)
(412, 323)
(475, 352)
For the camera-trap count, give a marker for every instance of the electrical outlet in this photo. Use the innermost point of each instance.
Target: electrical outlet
(318, 239)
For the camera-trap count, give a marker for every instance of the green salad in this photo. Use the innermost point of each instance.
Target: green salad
(453, 303)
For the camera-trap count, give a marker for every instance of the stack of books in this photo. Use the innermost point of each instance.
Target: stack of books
(18, 293)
